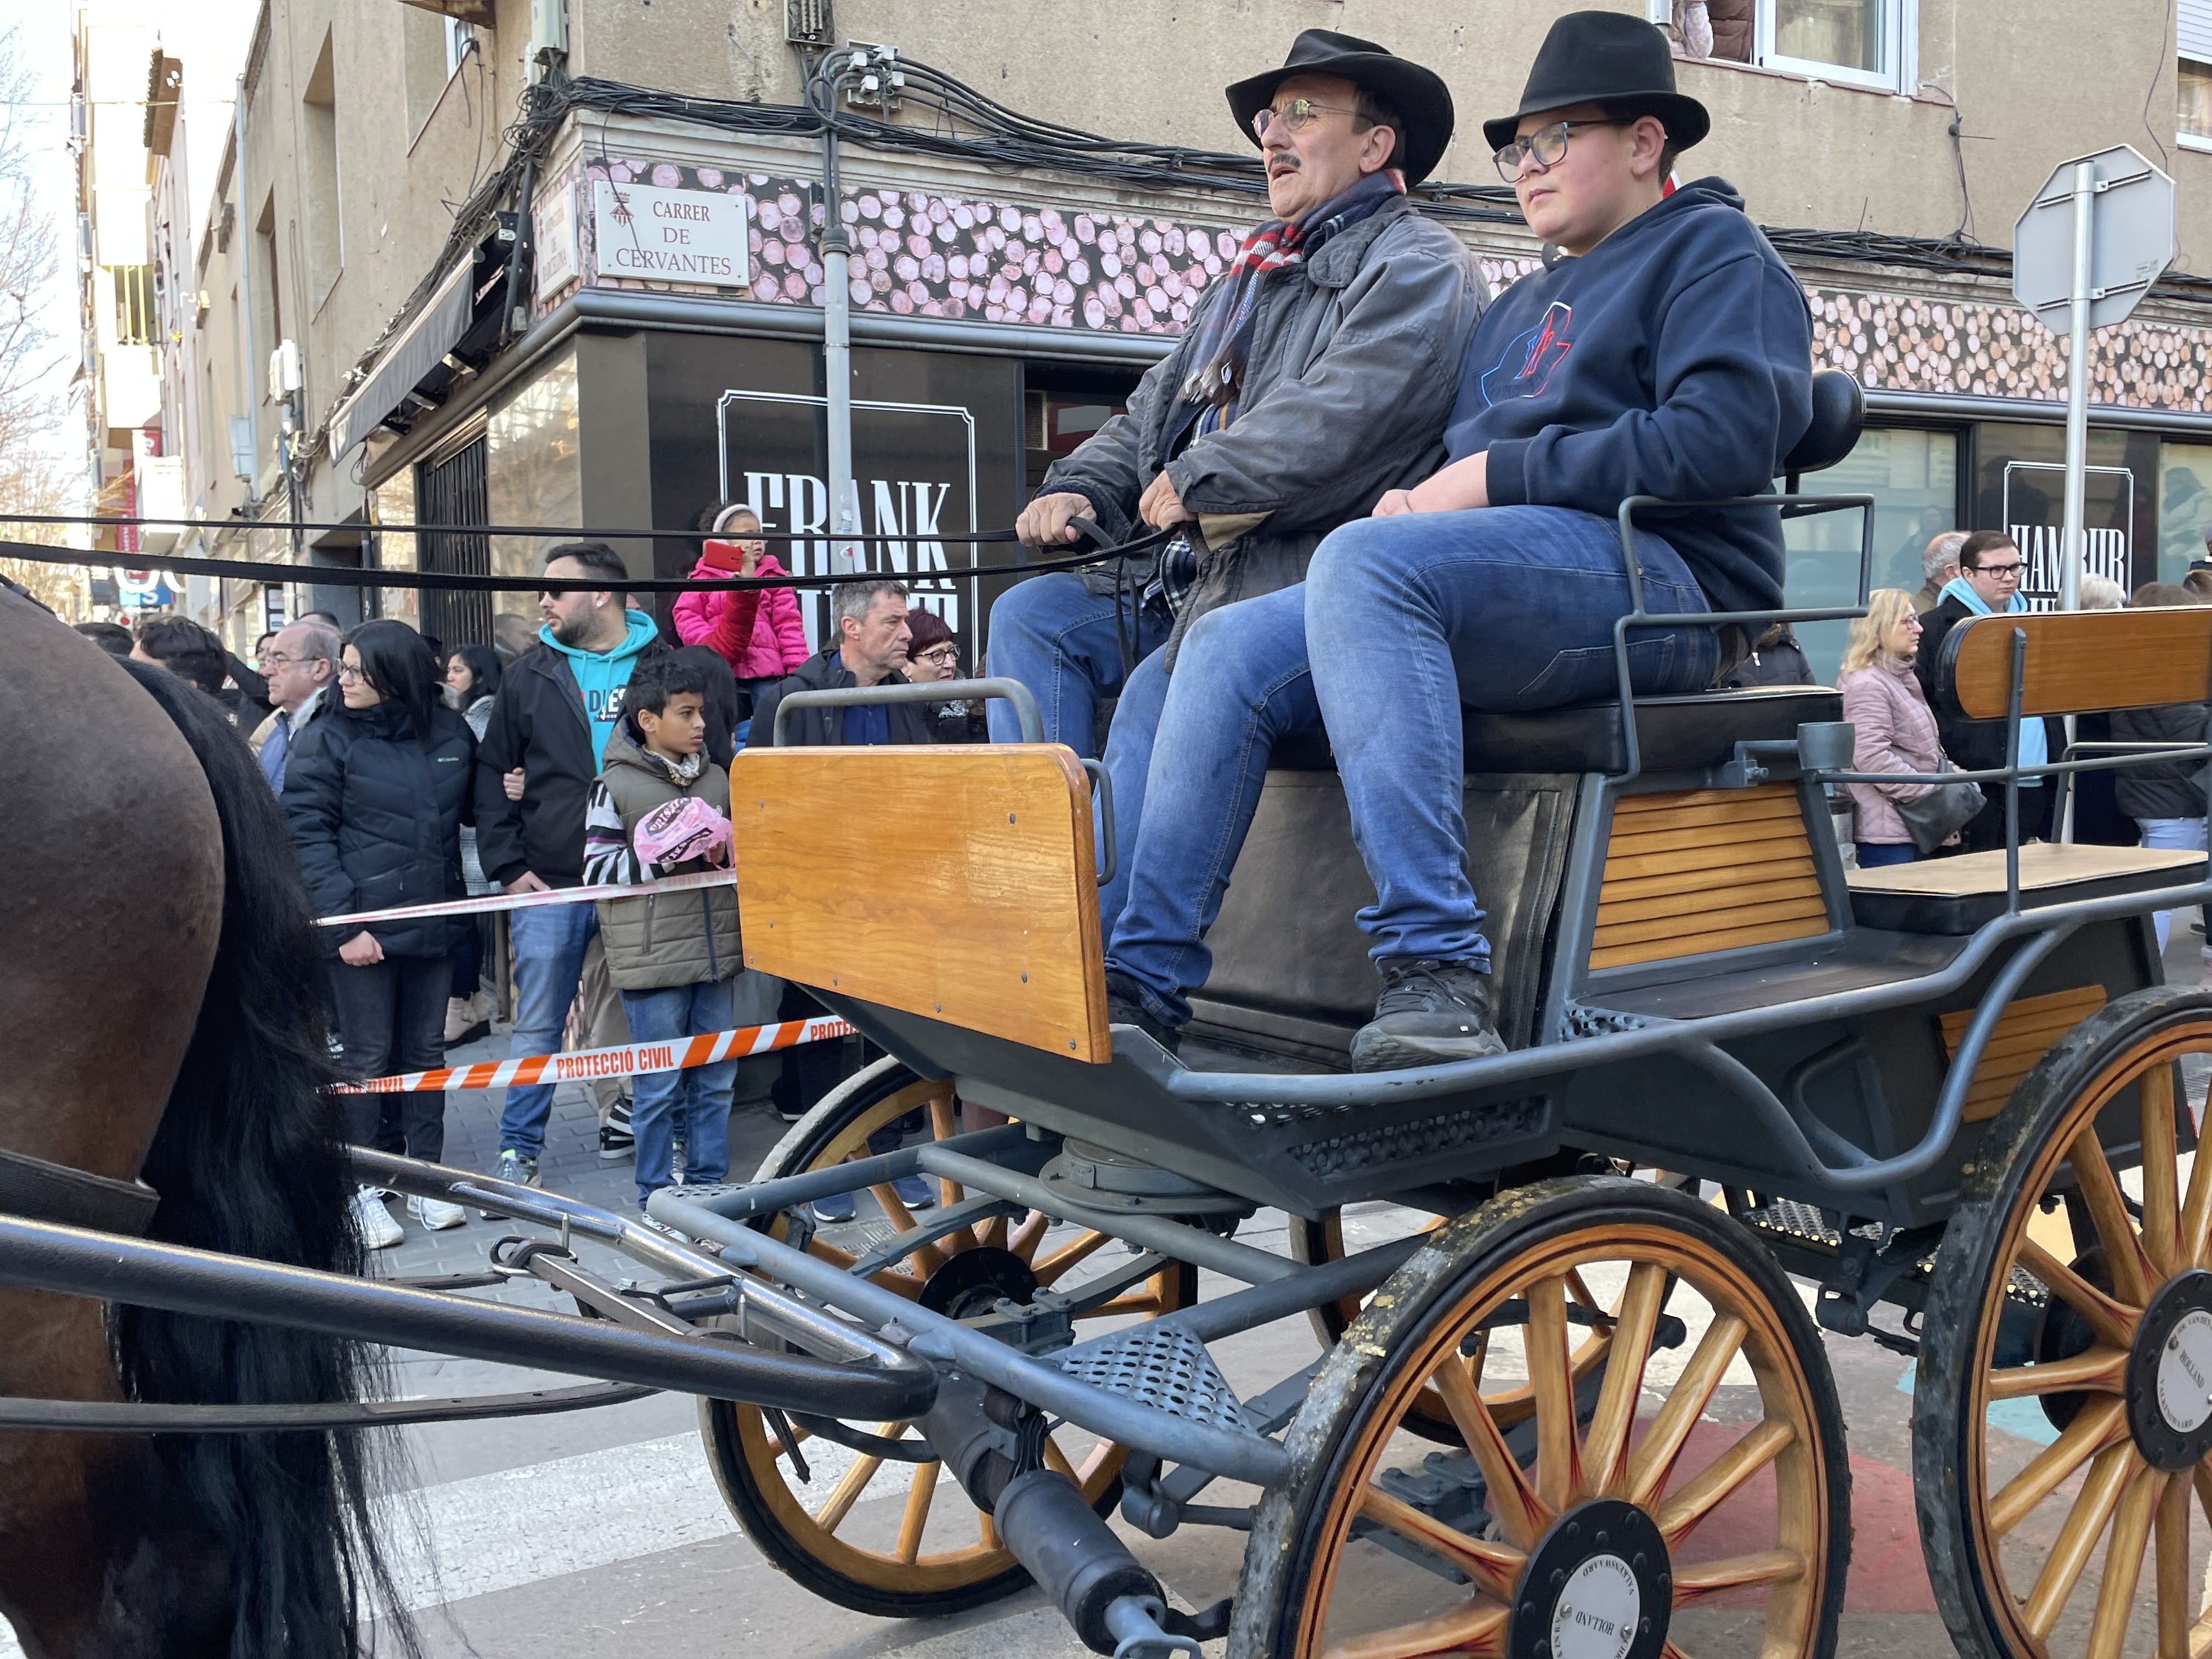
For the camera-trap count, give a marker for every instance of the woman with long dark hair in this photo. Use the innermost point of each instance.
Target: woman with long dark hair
(472, 676)
(375, 794)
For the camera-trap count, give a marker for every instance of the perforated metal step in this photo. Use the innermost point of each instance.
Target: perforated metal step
(1163, 1368)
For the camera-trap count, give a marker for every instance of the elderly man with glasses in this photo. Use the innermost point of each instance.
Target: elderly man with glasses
(300, 665)
(1991, 574)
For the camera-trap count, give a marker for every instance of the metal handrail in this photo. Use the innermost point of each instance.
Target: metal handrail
(849, 696)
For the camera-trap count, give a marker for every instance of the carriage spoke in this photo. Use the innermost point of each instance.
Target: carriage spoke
(1713, 1486)
(1056, 1460)
(2096, 1426)
(2108, 1210)
(988, 1531)
(1477, 1630)
(1025, 1238)
(943, 1125)
(1139, 1302)
(848, 1492)
(2196, 1223)
(2124, 1559)
(1610, 1424)
(918, 1498)
(1655, 1459)
(890, 1278)
(1494, 1569)
(2100, 1369)
(2111, 1322)
(1520, 1514)
(2173, 1567)
(2161, 1200)
(926, 1258)
(992, 1235)
(1705, 1579)
(1067, 1256)
(2077, 1538)
(1546, 1339)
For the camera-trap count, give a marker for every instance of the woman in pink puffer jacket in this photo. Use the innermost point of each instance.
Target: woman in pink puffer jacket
(759, 633)
(1895, 726)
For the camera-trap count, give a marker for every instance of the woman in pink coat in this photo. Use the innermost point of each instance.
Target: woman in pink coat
(1896, 728)
(759, 633)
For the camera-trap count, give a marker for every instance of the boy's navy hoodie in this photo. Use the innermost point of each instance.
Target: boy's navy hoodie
(1674, 359)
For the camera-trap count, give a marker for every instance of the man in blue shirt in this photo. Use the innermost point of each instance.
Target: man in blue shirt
(871, 640)
(302, 665)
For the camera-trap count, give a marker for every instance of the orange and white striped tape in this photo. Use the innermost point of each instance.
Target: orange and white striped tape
(531, 901)
(628, 1061)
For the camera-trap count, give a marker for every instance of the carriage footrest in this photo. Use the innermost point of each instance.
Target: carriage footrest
(1165, 1369)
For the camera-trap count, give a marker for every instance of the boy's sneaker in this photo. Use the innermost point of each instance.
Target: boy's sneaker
(835, 1208)
(1429, 1013)
(435, 1213)
(616, 1141)
(915, 1193)
(378, 1230)
(512, 1166)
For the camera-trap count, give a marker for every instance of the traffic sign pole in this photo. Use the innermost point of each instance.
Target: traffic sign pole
(2076, 539)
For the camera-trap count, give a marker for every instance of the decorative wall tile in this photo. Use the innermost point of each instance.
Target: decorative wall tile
(929, 254)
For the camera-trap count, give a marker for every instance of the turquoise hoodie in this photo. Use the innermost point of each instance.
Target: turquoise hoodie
(601, 675)
(2034, 743)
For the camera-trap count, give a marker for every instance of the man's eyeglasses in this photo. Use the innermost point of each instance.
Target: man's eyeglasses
(277, 659)
(2000, 571)
(1298, 115)
(944, 655)
(1546, 146)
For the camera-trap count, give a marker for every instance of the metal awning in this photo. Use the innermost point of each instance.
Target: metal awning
(420, 348)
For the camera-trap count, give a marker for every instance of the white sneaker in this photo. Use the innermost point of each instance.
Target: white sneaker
(435, 1213)
(378, 1230)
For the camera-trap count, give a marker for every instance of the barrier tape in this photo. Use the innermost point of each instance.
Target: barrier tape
(583, 1064)
(474, 907)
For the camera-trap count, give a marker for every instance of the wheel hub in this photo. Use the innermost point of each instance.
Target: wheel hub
(2169, 1377)
(973, 1282)
(1600, 1585)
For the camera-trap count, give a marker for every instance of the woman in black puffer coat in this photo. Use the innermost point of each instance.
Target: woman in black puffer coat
(375, 794)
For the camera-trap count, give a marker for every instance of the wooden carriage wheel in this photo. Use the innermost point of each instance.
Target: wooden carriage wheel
(1617, 1536)
(2071, 1298)
(934, 1552)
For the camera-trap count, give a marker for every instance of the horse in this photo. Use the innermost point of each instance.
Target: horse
(160, 1022)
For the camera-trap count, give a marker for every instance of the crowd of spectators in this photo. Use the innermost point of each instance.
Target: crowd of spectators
(545, 758)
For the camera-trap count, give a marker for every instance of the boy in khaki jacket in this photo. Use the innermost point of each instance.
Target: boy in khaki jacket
(675, 957)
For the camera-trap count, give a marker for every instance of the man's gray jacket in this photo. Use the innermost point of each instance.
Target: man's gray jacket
(1354, 364)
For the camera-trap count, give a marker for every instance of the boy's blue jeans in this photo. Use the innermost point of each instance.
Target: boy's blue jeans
(697, 1101)
(1408, 618)
(1058, 638)
(549, 944)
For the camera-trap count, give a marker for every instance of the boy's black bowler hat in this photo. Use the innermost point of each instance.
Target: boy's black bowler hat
(1419, 95)
(1606, 57)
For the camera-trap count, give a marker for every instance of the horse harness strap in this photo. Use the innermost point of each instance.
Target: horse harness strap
(39, 1191)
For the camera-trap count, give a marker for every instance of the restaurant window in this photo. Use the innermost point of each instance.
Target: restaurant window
(1913, 476)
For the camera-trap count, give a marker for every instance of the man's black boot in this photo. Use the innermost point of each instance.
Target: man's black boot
(1429, 1013)
(1125, 1006)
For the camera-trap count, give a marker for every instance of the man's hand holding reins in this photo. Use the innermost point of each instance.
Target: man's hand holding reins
(1049, 520)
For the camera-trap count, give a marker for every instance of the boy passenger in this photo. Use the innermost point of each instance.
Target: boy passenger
(1667, 352)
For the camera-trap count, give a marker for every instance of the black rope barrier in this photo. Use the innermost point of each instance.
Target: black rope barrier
(342, 576)
(565, 533)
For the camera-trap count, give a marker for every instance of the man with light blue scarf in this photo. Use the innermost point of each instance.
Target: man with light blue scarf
(1989, 580)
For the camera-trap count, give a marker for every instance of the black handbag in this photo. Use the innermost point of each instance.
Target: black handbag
(1933, 819)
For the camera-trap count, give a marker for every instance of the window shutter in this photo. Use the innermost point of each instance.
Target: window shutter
(2193, 30)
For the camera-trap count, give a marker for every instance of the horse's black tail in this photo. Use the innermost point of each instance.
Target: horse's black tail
(247, 1162)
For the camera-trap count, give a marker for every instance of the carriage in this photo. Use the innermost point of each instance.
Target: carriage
(1536, 1367)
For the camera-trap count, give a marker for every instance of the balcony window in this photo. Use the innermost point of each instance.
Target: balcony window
(135, 321)
(2194, 115)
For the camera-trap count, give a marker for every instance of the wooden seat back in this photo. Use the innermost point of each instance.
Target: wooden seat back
(2079, 661)
(957, 883)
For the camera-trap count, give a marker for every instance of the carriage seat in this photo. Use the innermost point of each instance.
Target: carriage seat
(1682, 733)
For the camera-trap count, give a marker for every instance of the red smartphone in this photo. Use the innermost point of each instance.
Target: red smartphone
(724, 555)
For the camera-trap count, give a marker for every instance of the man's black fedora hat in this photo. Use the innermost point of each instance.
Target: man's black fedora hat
(1606, 57)
(1418, 94)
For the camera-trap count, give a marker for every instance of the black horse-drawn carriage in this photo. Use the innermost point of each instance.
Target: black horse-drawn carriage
(1574, 1402)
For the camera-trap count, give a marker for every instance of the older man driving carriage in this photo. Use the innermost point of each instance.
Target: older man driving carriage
(1343, 317)
(1668, 352)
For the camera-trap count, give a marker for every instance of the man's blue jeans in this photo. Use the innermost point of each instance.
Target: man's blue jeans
(1060, 639)
(697, 1101)
(549, 944)
(1199, 741)
(1501, 608)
